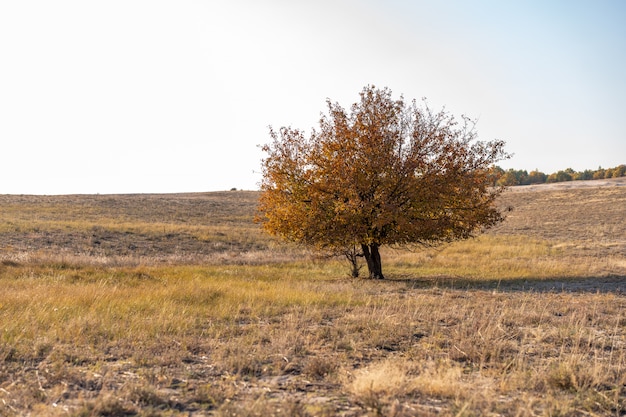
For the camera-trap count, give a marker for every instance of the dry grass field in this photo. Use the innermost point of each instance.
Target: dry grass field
(176, 305)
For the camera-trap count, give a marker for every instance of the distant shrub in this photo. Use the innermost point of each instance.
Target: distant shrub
(619, 171)
(563, 176)
(508, 179)
(513, 177)
(537, 177)
(584, 175)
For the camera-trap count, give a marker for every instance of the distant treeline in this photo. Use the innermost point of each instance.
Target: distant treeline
(522, 177)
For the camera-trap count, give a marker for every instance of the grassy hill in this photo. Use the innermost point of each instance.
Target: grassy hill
(167, 305)
(584, 217)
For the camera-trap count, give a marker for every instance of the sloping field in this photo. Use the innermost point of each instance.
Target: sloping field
(139, 228)
(591, 215)
(176, 305)
(584, 217)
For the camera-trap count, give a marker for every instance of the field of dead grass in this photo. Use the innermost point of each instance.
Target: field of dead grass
(125, 305)
(134, 229)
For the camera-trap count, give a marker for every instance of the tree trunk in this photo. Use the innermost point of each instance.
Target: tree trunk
(372, 256)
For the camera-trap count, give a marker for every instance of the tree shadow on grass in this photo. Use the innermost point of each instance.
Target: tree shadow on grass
(607, 284)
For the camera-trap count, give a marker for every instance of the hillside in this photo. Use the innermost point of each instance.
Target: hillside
(177, 305)
(180, 228)
(585, 217)
(589, 215)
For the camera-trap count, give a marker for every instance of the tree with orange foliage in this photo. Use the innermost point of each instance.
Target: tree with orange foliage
(385, 173)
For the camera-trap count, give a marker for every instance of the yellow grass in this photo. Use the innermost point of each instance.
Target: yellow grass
(219, 339)
(505, 324)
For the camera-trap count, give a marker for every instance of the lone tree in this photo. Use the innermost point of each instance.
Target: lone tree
(386, 173)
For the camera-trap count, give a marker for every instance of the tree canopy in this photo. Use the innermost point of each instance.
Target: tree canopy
(385, 173)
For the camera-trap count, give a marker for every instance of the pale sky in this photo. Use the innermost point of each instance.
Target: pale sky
(139, 96)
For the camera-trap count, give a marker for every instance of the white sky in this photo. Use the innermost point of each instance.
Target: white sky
(124, 96)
